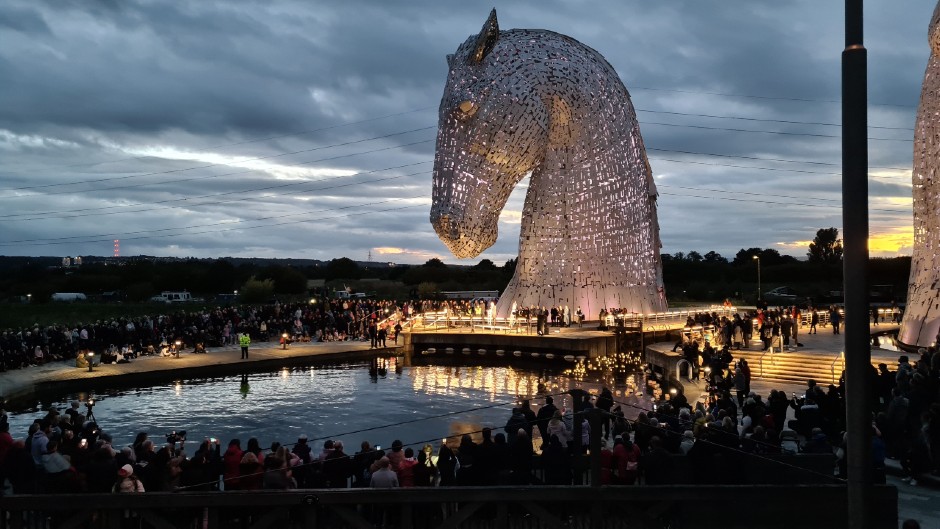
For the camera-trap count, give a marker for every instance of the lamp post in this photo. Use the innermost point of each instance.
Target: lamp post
(855, 268)
(284, 338)
(757, 258)
(91, 361)
(29, 298)
(179, 344)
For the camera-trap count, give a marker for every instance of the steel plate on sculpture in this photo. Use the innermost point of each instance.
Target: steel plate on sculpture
(523, 102)
(921, 321)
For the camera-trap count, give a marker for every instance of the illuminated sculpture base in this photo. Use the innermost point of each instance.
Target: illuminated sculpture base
(523, 102)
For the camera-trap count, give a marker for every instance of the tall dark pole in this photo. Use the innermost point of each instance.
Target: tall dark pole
(855, 265)
(757, 258)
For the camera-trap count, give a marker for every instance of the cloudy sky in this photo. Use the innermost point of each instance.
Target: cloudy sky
(305, 129)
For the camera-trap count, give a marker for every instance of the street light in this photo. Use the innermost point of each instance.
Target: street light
(757, 258)
(29, 298)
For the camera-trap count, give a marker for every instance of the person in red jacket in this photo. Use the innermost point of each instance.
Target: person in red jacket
(406, 473)
(627, 458)
(231, 460)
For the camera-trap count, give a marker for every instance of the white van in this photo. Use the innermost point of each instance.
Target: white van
(173, 297)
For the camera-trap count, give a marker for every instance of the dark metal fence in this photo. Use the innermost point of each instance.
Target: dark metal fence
(674, 506)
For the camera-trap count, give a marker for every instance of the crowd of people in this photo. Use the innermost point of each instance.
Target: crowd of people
(64, 453)
(128, 337)
(68, 452)
(906, 400)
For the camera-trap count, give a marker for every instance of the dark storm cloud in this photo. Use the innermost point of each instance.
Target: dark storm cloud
(149, 67)
(159, 87)
(23, 20)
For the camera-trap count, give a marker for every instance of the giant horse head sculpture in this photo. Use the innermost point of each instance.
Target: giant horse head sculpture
(523, 102)
(921, 324)
(489, 136)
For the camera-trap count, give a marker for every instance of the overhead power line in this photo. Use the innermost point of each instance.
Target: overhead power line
(764, 120)
(151, 233)
(141, 175)
(257, 140)
(169, 171)
(759, 201)
(176, 200)
(764, 159)
(110, 210)
(783, 133)
(771, 195)
(108, 238)
(752, 96)
(194, 179)
(779, 169)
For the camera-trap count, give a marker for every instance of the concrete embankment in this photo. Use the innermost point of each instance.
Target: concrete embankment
(22, 386)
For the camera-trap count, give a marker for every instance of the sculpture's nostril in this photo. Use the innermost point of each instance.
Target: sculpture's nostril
(446, 226)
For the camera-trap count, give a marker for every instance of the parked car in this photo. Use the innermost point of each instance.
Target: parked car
(780, 294)
(68, 296)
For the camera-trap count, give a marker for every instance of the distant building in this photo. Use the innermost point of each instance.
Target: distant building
(68, 296)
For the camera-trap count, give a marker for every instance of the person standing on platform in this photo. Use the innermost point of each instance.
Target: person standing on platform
(835, 318)
(813, 321)
(244, 340)
(383, 335)
(797, 323)
(539, 324)
(373, 334)
(786, 330)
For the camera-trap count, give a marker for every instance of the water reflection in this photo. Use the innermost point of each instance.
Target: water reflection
(378, 401)
(887, 343)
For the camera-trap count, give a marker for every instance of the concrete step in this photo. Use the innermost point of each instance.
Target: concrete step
(791, 366)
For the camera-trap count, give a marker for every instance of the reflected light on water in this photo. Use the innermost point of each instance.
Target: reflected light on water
(324, 402)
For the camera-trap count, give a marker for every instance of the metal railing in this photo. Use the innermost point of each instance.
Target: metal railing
(760, 362)
(443, 320)
(613, 507)
(660, 321)
(676, 319)
(832, 366)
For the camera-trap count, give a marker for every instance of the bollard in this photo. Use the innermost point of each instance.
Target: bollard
(577, 396)
(595, 418)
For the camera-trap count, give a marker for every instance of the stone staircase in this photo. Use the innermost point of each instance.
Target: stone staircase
(797, 367)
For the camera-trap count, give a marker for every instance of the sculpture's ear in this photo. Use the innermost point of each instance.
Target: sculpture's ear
(933, 31)
(486, 40)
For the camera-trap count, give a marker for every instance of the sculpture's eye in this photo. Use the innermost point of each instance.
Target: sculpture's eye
(466, 110)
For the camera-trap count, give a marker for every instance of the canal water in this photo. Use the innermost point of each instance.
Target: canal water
(377, 401)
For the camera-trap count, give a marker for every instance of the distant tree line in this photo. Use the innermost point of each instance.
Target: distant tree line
(688, 275)
(692, 275)
(139, 279)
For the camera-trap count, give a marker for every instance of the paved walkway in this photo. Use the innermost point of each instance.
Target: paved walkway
(262, 355)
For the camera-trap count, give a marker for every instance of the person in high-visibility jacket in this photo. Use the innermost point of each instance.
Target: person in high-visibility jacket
(244, 340)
